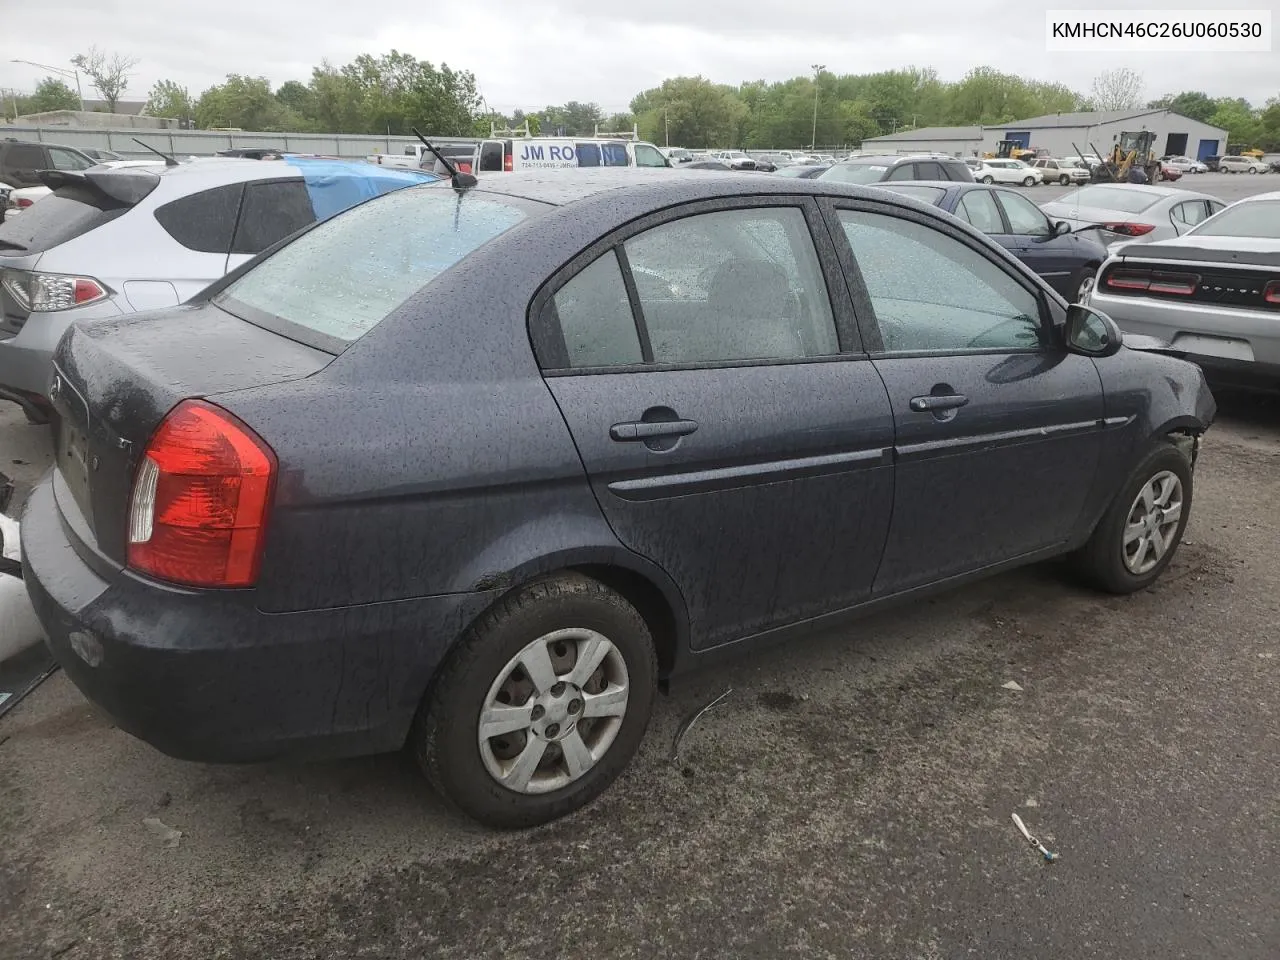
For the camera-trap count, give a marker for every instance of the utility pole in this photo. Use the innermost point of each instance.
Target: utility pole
(666, 128)
(817, 72)
(60, 71)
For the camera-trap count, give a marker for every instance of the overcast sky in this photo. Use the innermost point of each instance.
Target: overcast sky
(531, 53)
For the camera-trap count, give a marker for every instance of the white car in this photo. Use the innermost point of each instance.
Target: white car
(1241, 165)
(735, 159)
(996, 170)
(1186, 164)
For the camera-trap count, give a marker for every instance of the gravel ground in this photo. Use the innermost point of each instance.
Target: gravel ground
(851, 797)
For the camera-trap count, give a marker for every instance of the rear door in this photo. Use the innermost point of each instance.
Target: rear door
(733, 432)
(998, 428)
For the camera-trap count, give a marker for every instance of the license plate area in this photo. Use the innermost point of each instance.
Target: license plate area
(1219, 347)
(72, 439)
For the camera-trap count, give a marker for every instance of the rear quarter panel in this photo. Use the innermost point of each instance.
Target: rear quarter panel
(430, 457)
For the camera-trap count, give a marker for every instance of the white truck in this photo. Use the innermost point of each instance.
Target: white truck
(417, 156)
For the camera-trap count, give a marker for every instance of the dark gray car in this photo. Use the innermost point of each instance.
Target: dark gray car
(476, 469)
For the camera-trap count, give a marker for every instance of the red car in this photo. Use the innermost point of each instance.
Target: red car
(1169, 172)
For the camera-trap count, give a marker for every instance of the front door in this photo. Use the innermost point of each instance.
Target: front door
(1031, 240)
(731, 434)
(997, 427)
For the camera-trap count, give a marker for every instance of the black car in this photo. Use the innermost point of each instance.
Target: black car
(22, 160)
(1064, 260)
(310, 514)
(868, 170)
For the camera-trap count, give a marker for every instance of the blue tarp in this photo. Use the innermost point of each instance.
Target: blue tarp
(335, 185)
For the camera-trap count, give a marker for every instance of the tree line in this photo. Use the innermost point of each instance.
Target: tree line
(392, 93)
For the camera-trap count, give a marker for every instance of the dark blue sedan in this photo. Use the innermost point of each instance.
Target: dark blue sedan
(1062, 258)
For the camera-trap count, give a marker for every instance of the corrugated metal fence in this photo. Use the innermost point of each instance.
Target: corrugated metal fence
(204, 143)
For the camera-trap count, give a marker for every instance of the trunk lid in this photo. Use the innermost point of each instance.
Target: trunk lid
(115, 380)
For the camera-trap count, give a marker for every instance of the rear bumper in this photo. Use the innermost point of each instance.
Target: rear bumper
(1175, 322)
(204, 675)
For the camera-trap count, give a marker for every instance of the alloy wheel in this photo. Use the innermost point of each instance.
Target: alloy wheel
(1152, 523)
(553, 711)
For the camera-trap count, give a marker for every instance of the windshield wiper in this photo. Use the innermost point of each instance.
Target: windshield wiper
(10, 245)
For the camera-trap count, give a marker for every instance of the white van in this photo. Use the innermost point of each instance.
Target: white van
(550, 153)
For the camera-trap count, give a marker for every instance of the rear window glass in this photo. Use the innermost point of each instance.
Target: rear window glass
(272, 210)
(1258, 218)
(65, 214)
(855, 173)
(918, 192)
(1110, 198)
(339, 280)
(203, 221)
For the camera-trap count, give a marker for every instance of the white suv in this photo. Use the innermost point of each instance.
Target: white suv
(1241, 165)
(1007, 171)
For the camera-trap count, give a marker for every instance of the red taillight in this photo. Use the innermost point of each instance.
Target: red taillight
(1271, 292)
(1177, 284)
(464, 166)
(1129, 280)
(23, 202)
(86, 291)
(507, 163)
(1129, 229)
(199, 508)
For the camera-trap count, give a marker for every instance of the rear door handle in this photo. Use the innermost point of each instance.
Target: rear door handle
(932, 404)
(648, 429)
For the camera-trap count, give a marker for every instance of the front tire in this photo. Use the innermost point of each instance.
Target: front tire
(1064, 180)
(988, 179)
(1029, 182)
(542, 704)
(1140, 532)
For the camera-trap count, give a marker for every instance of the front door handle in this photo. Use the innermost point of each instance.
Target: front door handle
(935, 404)
(649, 429)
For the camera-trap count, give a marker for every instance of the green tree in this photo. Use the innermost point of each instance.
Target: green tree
(297, 97)
(246, 103)
(169, 99)
(1118, 89)
(51, 94)
(1239, 119)
(1189, 103)
(697, 112)
(1269, 125)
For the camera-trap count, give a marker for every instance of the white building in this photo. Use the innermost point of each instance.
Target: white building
(1060, 134)
(953, 141)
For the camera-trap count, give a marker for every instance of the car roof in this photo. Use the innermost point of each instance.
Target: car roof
(202, 172)
(564, 187)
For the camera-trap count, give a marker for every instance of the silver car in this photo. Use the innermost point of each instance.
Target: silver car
(1131, 212)
(1213, 293)
(108, 242)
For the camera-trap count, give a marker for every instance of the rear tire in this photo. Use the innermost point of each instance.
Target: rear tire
(1108, 559)
(565, 617)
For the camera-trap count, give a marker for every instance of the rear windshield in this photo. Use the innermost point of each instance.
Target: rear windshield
(1110, 198)
(336, 282)
(918, 192)
(855, 173)
(1258, 218)
(63, 215)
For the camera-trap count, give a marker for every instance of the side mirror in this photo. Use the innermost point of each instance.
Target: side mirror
(1061, 228)
(1091, 332)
